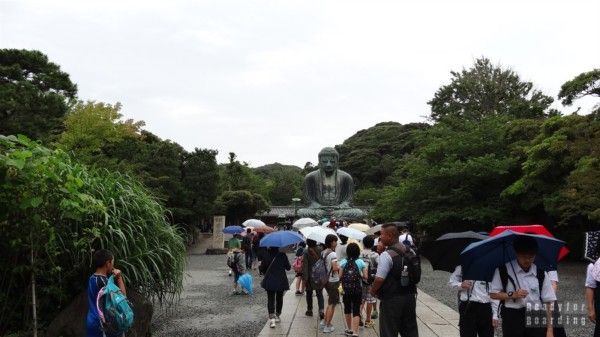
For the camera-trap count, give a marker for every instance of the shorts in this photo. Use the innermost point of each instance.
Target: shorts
(333, 294)
(366, 295)
(299, 274)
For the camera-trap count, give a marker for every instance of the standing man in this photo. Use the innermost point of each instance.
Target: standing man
(520, 284)
(478, 315)
(398, 272)
(247, 243)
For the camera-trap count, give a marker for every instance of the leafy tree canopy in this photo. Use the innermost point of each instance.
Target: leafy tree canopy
(34, 94)
(241, 205)
(488, 90)
(584, 84)
(283, 182)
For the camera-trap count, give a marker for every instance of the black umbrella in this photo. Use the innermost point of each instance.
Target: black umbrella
(444, 252)
(592, 242)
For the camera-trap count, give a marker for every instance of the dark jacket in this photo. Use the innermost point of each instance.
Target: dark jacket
(275, 278)
(311, 256)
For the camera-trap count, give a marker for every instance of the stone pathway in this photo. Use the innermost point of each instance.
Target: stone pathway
(433, 317)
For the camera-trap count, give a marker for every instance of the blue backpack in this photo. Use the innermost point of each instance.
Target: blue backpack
(116, 313)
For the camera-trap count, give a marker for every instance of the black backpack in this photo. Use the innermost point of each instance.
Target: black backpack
(505, 278)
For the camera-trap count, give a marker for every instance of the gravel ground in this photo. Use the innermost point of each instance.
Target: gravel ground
(207, 308)
(570, 290)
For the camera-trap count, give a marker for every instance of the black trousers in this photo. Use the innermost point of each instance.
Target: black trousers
(514, 324)
(309, 299)
(274, 299)
(352, 303)
(398, 315)
(249, 258)
(475, 319)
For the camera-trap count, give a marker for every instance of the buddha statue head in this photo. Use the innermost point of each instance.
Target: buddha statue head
(328, 160)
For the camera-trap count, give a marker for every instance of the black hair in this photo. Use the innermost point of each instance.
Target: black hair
(273, 250)
(353, 251)
(524, 244)
(368, 241)
(329, 239)
(248, 230)
(100, 257)
(311, 243)
(302, 244)
(343, 239)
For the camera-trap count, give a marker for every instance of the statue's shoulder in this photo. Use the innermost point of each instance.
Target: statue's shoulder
(344, 174)
(312, 175)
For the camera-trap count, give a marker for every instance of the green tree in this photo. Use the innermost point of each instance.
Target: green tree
(241, 205)
(201, 182)
(283, 182)
(584, 84)
(34, 94)
(488, 90)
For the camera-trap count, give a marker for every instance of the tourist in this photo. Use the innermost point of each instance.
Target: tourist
(300, 285)
(405, 237)
(103, 262)
(592, 297)
(353, 271)
(477, 315)
(232, 244)
(311, 255)
(247, 247)
(398, 273)
(340, 249)
(522, 286)
(235, 261)
(371, 258)
(333, 295)
(275, 282)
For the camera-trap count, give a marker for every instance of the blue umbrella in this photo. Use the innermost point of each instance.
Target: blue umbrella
(232, 229)
(480, 259)
(281, 239)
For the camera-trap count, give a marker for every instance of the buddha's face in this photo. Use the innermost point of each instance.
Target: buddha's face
(328, 163)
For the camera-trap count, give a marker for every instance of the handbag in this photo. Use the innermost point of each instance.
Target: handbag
(264, 280)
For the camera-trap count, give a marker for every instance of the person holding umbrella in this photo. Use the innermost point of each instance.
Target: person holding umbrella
(517, 283)
(478, 314)
(311, 255)
(274, 267)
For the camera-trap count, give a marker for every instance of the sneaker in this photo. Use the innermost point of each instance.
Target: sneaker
(374, 315)
(360, 323)
(322, 325)
(321, 315)
(308, 313)
(229, 272)
(348, 332)
(369, 324)
(277, 319)
(273, 323)
(329, 329)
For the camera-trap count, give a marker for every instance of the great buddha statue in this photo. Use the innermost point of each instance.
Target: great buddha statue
(328, 190)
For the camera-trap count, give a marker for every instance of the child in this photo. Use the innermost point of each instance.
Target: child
(299, 282)
(103, 261)
(238, 268)
(371, 258)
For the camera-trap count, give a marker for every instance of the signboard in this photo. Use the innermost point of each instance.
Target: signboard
(218, 236)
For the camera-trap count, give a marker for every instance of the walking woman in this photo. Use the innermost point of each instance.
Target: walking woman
(353, 271)
(274, 266)
(311, 255)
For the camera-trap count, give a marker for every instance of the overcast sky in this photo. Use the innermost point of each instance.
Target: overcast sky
(275, 81)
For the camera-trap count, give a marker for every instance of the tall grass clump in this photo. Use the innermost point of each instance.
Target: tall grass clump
(54, 212)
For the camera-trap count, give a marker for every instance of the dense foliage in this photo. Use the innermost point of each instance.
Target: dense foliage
(54, 212)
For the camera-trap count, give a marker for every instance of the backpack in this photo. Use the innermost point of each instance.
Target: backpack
(297, 264)
(413, 263)
(505, 278)
(116, 313)
(319, 273)
(372, 267)
(351, 278)
(232, 261)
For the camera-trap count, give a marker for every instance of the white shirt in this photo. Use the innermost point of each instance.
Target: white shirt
(479, 291)
(340, 251)
(404, 237)
(526, 280)
(553, 275)
(590, 282)
(331, 258)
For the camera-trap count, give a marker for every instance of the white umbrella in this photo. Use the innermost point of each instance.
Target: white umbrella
(351, 233)
(325, 224)
(319, 233)
(253, 223)
(304, 222)
(306, 230)
(374, 229)
(359, 226)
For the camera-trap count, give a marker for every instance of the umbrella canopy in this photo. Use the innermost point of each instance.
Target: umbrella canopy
(351, 233)
(304, 222)
(374, 230)
(444, 252)
(480, 259)
(325, 224)
(253, 223)
(359, 226)
(232, 230)
(592, 245)
(529, 229)
(263, 229)
(319, 233)
(281, 239)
